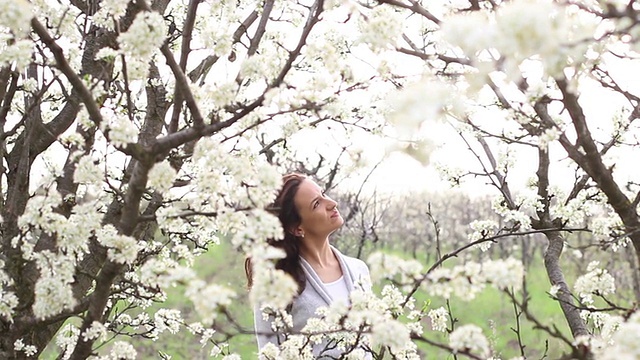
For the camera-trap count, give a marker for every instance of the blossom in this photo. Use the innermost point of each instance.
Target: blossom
(470, 31)
(296, 347)
(88, 170)
(269, 352)
(8, 300)
(168, 319)
(412, 108)
(624, 341)
(389, 332)
(232, 357)
(145, 35)
(595, 281)
(482, 229)
(16, 15)
(18, 52)
(66, 339)
(381, 28)
(96, 331)
(161, 176)
(272, 287)
(29, 350)
(387, 266)
(122, 350)
(504, 274)
(53, 294)
(110, 10)
(122, 249)
(208, 299)
(438, 319)
(469, 338)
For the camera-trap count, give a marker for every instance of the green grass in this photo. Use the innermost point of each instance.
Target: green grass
(490, 310)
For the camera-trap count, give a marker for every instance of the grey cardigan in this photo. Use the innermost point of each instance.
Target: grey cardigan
(315, 295)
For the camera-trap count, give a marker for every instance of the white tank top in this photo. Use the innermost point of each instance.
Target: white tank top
(338, 290)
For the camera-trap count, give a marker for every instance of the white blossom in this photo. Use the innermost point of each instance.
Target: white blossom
(122, 249)
(272, 287)
(469, 338)
(482, 229)
(53, 293)
(425, 101)
(121, 350)
(110, 10)
(88, 170)
(386, 266)
(29, 350)
(392, 333)
(18, 52)
(145, 35)
(269, 352)
(168, 319)
(16, 15)
(596, 281)
(623, 343)
(97, 330)
(161, 176)
(439, 319)
(232, 357)
(381, 28)
(66, 339)
(504, 274)
(209, 299)
(8, 300)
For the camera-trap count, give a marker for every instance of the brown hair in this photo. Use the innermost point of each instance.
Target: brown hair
(285, 209)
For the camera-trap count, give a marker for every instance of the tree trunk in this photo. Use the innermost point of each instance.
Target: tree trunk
(556, 277)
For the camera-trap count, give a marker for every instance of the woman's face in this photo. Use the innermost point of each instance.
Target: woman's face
(319, 214)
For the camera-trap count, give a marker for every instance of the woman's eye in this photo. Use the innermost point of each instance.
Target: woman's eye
(315, 205)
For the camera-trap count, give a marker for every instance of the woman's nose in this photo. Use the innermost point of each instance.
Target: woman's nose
(331, 204)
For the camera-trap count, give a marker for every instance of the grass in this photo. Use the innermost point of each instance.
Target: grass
(491, 310)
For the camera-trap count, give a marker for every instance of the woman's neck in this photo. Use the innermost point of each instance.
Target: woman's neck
(318, 254)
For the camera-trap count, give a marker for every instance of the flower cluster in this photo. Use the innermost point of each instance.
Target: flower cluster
(482, 229)
(381, 27)
(208, 299)
(29, 350)
(110, 10)
(467, 280)
(53, 293)
(370, 321)
(97, 330)
(386, 266)
(438, 319)
(596, 281)
(552, 32)
(122, 249)
(161, 176)
(8, 299)
(16, 15)
(145, 35)
(469, 338)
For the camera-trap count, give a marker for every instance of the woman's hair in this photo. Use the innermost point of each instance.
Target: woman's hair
(285, 209)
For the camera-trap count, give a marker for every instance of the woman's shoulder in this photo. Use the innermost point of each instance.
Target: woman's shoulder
(354, 263)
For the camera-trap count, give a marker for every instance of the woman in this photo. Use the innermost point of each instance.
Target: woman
(308, 216)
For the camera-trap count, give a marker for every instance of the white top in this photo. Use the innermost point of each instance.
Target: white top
(338, 290)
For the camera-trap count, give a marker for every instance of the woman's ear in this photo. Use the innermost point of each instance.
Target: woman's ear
(297, 232)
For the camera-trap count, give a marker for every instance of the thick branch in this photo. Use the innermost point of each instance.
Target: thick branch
(262, 26)
(187, 32)
(593, 165)
(63, 65)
